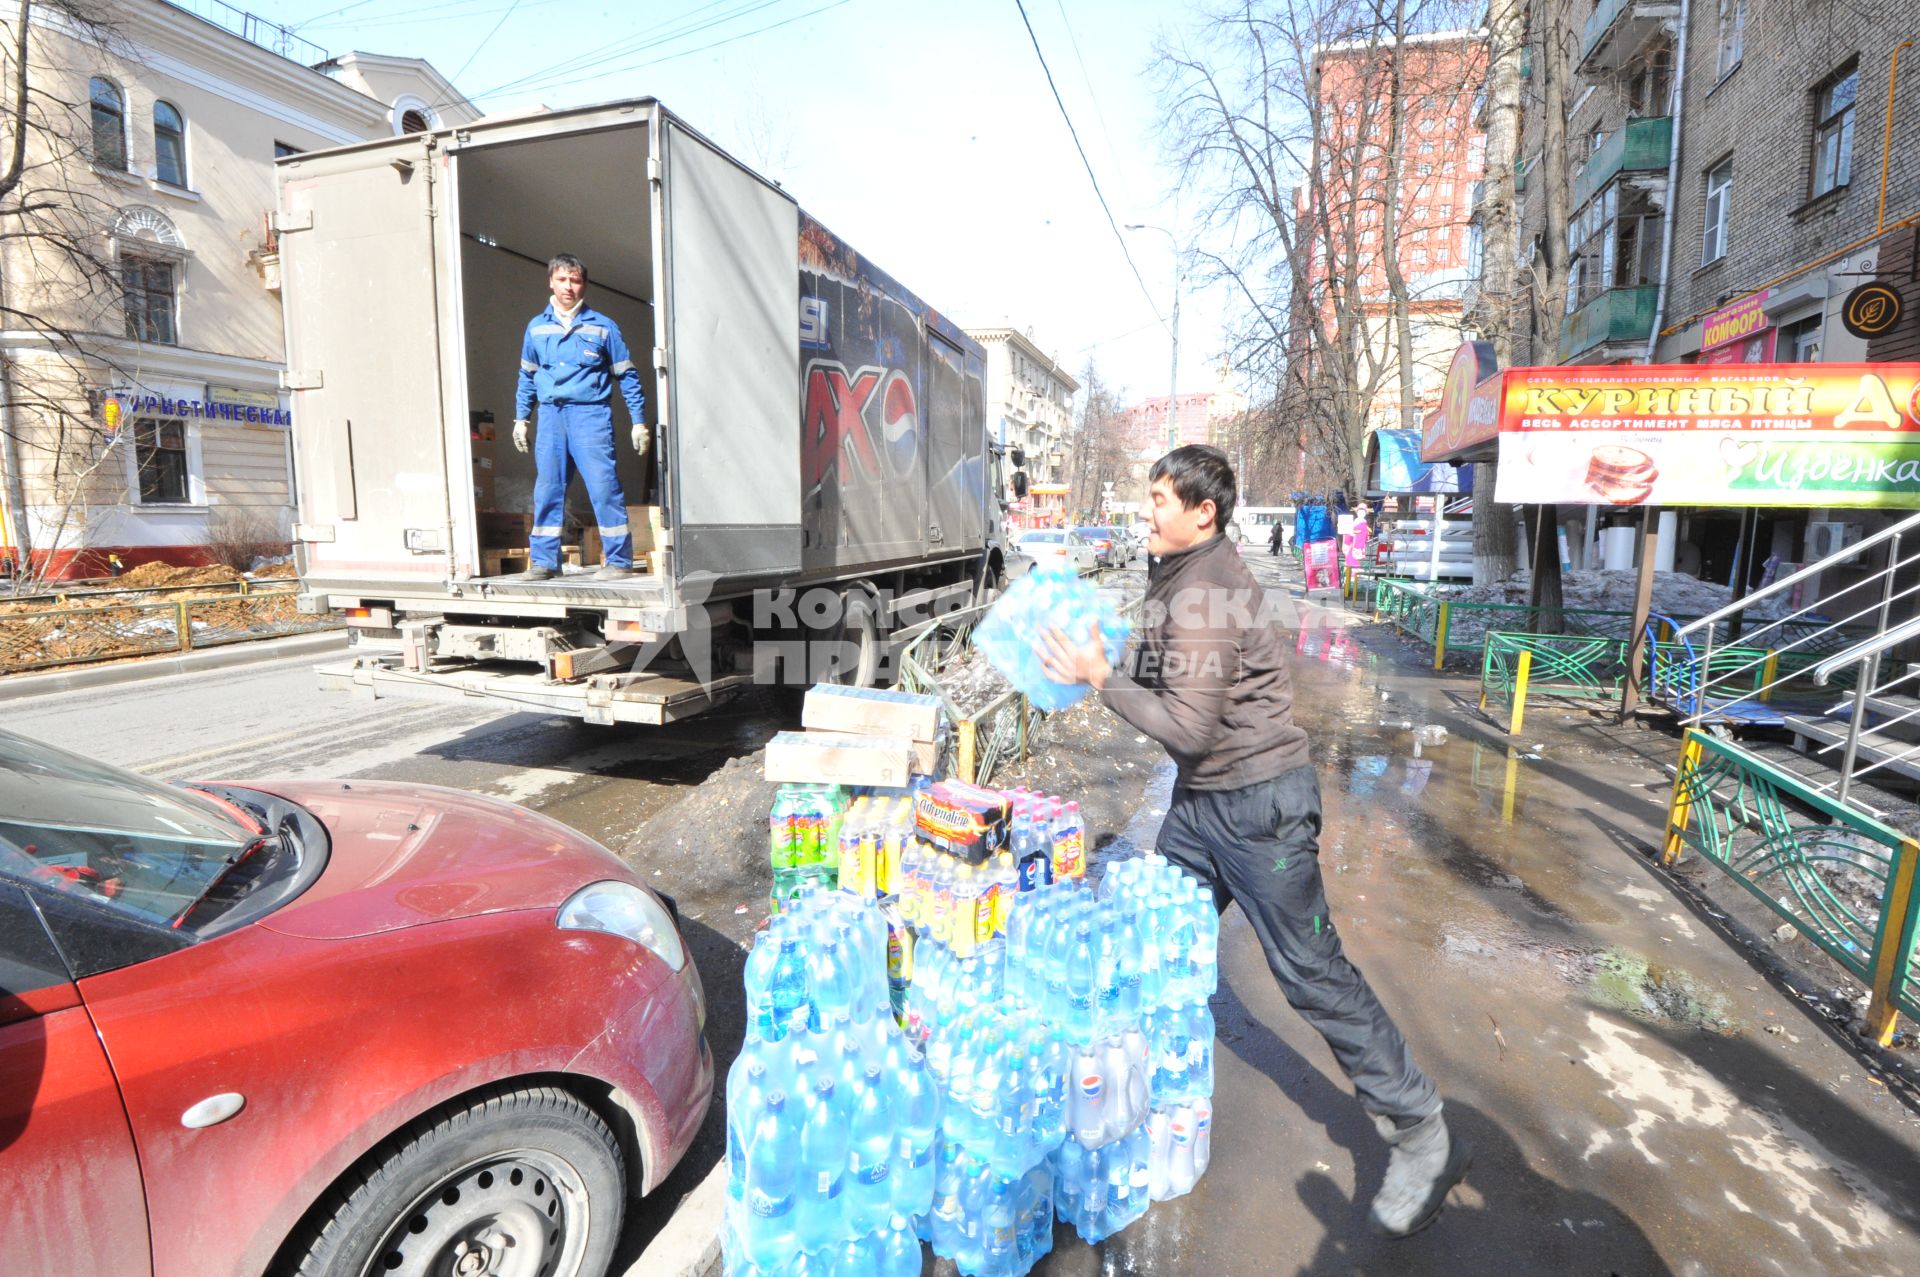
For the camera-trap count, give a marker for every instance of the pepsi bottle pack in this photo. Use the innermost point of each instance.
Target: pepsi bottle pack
(1040, 601)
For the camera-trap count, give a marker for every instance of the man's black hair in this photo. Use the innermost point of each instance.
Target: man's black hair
(1199, 472)
(567, 261)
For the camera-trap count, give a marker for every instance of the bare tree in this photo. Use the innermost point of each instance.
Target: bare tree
(1278, 117)
(1100, 447)
(59, 284)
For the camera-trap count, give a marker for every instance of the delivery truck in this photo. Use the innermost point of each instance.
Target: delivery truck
(820, 485)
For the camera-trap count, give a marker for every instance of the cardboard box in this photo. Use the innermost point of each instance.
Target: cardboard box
(875, 711)
(504, 531)
(840, 758)
(643, 525)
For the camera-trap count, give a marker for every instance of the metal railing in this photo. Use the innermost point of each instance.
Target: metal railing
(1839, 877)
(1846, 632)
(1445, 624)
(1584, 666)
(36, 638)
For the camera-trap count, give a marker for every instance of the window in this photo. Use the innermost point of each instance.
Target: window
(1372, 171)
(146, 288)
(281, 150)
(160, 450)
(1713, 241)
(1650, 88)
(1833, 131)
(1426, 170)
(1733, 35)
(109, 125)
(1610, 247)
(1799, 343)
(169, 145)
(1426, 148)
(412, 121)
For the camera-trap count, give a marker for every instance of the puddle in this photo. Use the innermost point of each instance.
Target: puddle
(1624, 981)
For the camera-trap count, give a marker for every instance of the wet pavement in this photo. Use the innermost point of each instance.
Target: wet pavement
(1600, 1042)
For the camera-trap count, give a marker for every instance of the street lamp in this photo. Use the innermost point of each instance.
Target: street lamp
(1173, 378)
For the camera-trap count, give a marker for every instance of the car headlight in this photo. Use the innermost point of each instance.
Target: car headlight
(622, 909)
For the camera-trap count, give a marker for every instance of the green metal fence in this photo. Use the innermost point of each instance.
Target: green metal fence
(1446, 625)
(1514, 665)
(1840, 878)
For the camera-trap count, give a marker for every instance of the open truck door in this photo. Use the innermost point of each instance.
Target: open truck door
(354, 238)
(733, 363)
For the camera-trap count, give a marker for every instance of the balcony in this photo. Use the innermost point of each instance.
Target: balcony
(1617, 30)
(1643, 146)
(1617, 315)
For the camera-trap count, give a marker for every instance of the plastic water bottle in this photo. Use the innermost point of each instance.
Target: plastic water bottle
(831, 984)
(1082, 984)
(870, 1157)
(999, 1241)
(1199, 1070)
(822, 1217)
(1206, 944)
(1180, 1168)
(1087, 1098)
(1160, 1135)
(899, 1254)
(1069, 843)
(773, 1187)
(786, 988)
(1202, 1136)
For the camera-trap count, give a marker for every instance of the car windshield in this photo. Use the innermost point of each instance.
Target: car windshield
(151, 849)
(1044, 538)
(1096, 534)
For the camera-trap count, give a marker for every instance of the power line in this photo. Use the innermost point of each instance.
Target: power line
(483, 43)
(1086, 163)
(1106, 130)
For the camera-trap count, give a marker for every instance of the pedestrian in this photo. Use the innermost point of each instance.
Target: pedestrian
(1279, 536)
(1208, 681)
(569, 359)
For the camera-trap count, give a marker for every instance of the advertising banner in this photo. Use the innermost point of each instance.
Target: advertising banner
(1469, 413)
(1402, 471)
(1844, 435)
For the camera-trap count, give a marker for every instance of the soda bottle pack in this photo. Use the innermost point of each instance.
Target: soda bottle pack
(1010, 633)
(803, 836)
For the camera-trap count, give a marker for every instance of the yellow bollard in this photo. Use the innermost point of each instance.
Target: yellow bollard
(1680, 807)
(964, 749)
(1520, 675)
(1880, 1012)
(183, 625)
(1767, 671)
(1440, 636)
(1512, 785)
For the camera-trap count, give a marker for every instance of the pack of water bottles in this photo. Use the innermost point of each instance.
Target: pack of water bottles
(832, 1115)
(1040, 601)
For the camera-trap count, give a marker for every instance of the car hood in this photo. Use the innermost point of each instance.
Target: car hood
(403, 855)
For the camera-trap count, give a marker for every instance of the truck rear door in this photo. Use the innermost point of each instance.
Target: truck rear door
(733, 362)
(359, 264)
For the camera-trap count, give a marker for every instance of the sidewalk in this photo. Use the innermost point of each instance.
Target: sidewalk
(139, 669)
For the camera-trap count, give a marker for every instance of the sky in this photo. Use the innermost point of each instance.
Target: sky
(922, 133)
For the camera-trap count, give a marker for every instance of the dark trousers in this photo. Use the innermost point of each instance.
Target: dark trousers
(1261, 846)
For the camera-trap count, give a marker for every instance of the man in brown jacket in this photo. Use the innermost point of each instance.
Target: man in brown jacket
(1208, 680)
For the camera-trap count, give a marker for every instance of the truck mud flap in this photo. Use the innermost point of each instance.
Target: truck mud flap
(648, 699)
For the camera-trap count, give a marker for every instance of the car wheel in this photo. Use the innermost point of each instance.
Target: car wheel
(520, 1183)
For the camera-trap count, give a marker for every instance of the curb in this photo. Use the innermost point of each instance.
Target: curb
(20, 686)
(689, 1246)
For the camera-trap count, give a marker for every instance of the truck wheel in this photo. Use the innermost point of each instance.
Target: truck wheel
(856, 660)
(520, 1181)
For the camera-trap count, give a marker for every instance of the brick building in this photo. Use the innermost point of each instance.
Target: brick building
(1761, 159)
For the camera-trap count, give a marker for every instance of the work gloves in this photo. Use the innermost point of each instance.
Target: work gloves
(642, 439)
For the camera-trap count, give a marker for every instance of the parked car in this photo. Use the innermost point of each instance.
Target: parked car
(324, 1026)
(1058, 548)
(1101, 539)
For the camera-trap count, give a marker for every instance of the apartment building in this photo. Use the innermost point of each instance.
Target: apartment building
(143, 411)
(1029, 401)
(1730, 176)
(1441, 164)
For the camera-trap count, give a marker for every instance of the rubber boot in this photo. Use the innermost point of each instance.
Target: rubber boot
(1423, 1163)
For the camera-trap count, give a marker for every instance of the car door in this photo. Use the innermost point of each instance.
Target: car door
(71, 1202)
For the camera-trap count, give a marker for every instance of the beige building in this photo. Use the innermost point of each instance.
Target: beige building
(1029, 401)
(144, 415)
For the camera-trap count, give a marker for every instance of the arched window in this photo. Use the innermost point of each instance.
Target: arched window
(411, 114)
(414, 122)
(169, 145)
(109, 124)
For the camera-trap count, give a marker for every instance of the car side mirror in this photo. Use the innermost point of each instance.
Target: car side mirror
(1018, 456)
(1020, 484)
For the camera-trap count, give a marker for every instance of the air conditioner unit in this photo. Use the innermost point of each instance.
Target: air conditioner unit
(1826, 538)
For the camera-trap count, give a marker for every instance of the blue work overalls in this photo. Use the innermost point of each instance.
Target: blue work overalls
(570, 369)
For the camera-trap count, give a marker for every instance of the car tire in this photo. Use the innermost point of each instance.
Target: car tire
(530, 1174)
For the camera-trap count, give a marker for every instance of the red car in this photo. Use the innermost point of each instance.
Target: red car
(325, 1028)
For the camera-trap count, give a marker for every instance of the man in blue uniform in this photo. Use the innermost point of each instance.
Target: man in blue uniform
(569, 360)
